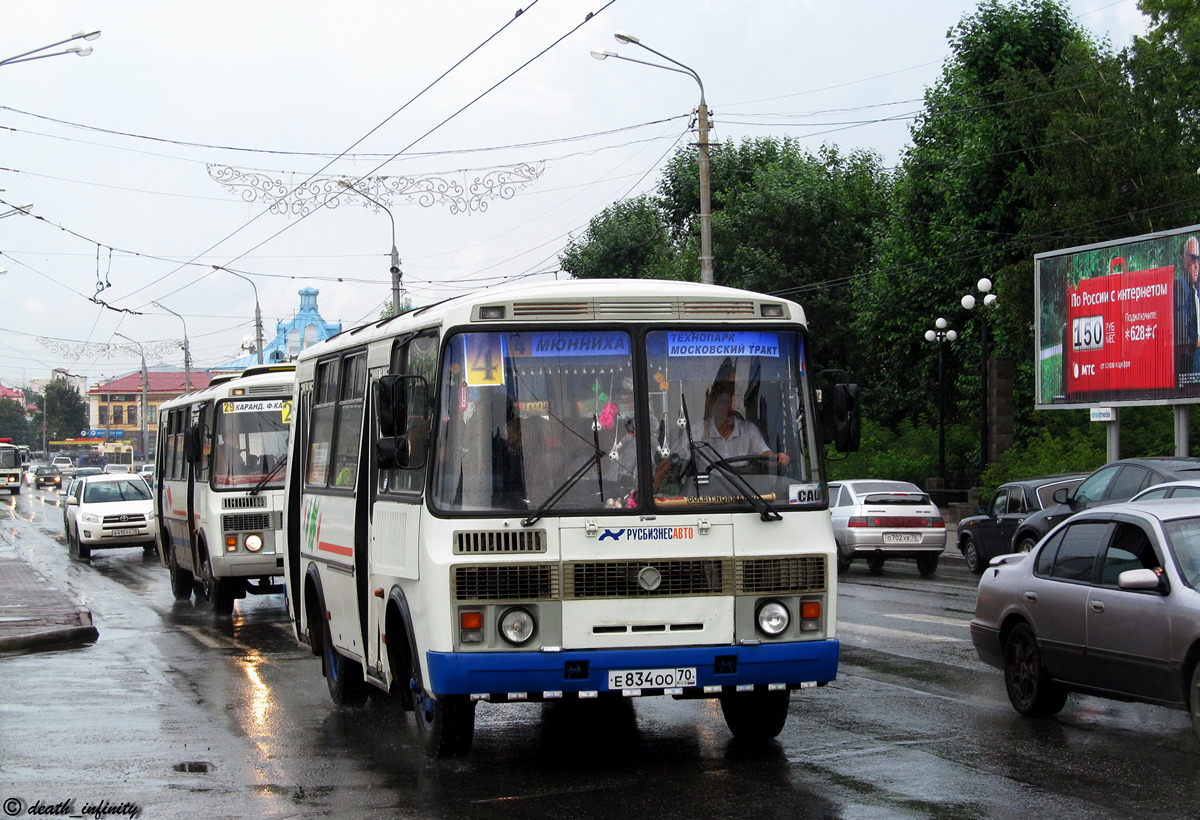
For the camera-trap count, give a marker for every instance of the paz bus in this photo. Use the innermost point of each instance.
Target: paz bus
(510, 496)
(11, 473)
(218, 490)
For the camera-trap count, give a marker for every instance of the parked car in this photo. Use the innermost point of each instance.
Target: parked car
(106, 511)
(1107, 605)
(984, 536)
(1188, 488)
(46, 475)
(878, 520)
(1118, 481)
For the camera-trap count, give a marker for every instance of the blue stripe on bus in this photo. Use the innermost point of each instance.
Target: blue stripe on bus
(465, 673)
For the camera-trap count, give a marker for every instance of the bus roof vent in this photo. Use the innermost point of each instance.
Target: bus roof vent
(729, 308)
(618, 309)
(549, 310)
(499, 542)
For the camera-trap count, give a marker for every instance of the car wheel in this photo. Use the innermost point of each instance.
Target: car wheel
(843, 563)
(82, 552)
(1027, 543)
(927, 565)
(755, 716)
(875, 565)
(1194, 701)
(970, 552)
(1030, 689)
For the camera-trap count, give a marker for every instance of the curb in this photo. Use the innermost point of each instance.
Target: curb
(66, 635)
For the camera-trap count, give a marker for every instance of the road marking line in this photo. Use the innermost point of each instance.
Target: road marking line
(931, 619)
(862, 631)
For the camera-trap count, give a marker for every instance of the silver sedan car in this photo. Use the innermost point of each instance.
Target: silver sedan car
(879, 520)
(1106, 604)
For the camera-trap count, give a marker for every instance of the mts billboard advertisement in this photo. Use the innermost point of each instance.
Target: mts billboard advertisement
(1119, 323)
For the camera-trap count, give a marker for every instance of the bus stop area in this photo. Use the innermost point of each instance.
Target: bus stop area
(35, 614)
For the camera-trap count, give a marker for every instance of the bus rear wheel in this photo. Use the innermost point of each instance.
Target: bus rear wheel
(343, 676)
(755, 716)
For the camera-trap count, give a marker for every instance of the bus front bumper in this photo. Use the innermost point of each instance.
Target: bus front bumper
(585, 673)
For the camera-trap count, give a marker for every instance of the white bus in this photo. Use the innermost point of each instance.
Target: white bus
(11, 471)
(218, 485)
(510, 496)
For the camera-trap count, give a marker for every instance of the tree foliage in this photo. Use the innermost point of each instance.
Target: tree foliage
(1036, 137)
(12, 421)
(65, 411)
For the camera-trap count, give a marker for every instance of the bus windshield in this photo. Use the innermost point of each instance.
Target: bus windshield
(251, 437)
(9, 457)
(548, 421)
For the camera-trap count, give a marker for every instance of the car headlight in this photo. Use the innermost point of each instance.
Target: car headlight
(517, 626)
(89, 518)
(254, 542)
(773, 618)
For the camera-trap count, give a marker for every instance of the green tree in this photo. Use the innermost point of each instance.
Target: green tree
(12, 421)
(64, 409)
(627, 240)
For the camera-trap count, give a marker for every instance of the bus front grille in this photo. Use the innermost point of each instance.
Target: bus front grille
(505, 582)
(499, 542)
(788, 573)
(251, 522)
(643, 579)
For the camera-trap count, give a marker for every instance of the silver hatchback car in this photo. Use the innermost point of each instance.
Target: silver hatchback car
(879, 520)
(1106, 604)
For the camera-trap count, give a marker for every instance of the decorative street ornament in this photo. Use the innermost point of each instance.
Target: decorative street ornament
(472, 193)
(79, 350)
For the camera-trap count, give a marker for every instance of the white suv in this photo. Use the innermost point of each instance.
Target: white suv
(109, 510)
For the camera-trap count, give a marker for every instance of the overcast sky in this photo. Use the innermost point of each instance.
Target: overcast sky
(127, 155)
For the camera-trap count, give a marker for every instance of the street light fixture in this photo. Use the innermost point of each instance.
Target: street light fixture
(706, 257)
(970, 302)
(187, 356)
(395, 266)
(941, 335)
(142, 429)
(258, 327)
(81, 50)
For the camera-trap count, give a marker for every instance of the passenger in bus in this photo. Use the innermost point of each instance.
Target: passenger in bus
(344, 477)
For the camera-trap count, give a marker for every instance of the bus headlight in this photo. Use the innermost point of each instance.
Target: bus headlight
(254, 542)
(773, 618)
(517, 626)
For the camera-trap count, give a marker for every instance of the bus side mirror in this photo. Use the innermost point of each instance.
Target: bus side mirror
(402, 406)
(846, 427)
(191, 444)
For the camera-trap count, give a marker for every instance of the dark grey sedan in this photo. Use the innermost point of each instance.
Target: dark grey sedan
(982, 537)
(1106, 604)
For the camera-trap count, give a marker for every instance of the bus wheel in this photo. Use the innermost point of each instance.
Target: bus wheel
(445, 725)
(181, 579)
(343, 676)
(218, 592)
(755, 716)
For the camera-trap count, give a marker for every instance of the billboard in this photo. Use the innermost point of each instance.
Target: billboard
(1118, 323)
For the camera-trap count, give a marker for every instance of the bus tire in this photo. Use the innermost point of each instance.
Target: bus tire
(182, 579)
(755, 716)
(343, 675)
(445, 725)
(218, 592)
(16, 490)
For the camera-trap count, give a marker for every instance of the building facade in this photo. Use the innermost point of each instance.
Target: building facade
(115, 407)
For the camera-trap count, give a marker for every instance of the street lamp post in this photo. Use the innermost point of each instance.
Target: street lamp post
(395, 266)
(187, 355)
(969, 302)
(941, 335)
(81, 50)
(258, 326)
(702, 126)
(142, 429)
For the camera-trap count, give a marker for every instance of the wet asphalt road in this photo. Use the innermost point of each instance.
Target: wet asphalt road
(182, 716)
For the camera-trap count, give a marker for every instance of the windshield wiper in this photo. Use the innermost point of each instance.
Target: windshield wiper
(274, 471)
(564, 488)
(765, 511)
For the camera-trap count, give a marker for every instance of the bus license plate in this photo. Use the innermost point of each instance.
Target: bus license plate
(901, 538)
(651, 678)
(122, 533)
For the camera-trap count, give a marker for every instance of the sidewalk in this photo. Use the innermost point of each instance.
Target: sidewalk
(34, 614)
